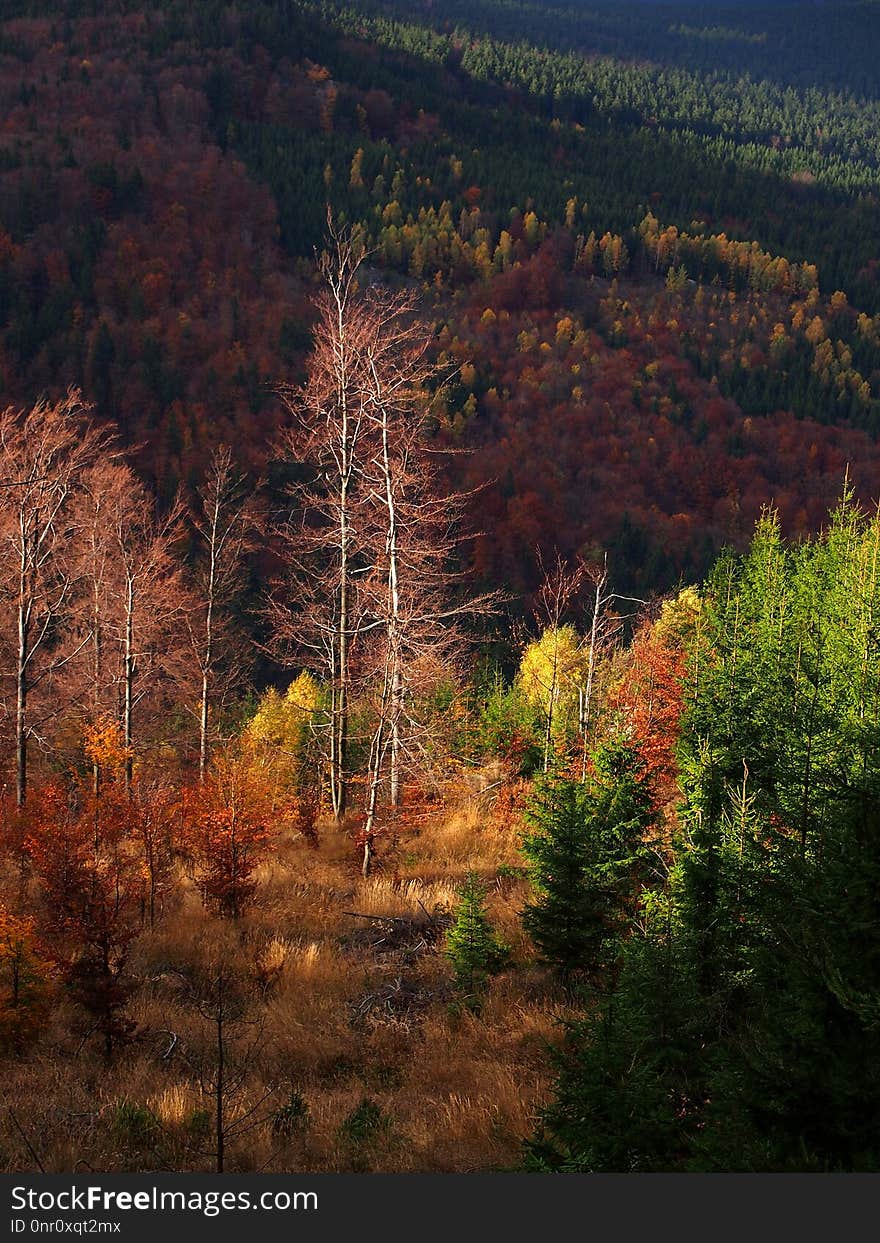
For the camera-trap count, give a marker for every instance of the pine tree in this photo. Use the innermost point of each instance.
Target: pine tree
(471, 943)
(586, 857)
(625, 1091)
(781, 776)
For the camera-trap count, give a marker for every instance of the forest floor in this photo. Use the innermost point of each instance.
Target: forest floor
(344, 1043)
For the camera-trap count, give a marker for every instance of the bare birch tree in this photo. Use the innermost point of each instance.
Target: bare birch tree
(555, 659)
(225, 525)
(93, 621)
(416, 605)
(314, 613)
(562, 661)
(369, 543)
(153, 602)
(43, 453)
(604, 630)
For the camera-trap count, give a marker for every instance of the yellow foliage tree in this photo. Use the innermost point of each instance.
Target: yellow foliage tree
(679, 618)
(552, 672)
(281, 729)
(24, 982)
(283, 721)
(104, 744)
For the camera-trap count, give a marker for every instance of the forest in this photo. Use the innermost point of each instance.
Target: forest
(440, 557)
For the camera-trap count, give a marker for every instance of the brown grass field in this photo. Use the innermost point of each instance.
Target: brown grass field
(345, 1046)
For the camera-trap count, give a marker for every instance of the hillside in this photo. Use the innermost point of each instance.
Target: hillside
(439, 586)
(336, 1010)
(164, 175)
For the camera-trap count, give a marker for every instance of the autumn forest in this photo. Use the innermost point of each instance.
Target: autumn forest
(440, 578)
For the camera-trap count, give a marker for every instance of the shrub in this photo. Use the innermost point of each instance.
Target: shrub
(134, 1123)
(365, 1122)
(292, 1117)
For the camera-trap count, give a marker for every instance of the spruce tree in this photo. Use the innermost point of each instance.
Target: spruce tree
(626, 1071)
(585, 859)
(781, 776)
(471, 943)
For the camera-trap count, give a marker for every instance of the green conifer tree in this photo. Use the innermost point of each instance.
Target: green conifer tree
(626, 1072)
(781, 871)
(585, 857)
(471, 943)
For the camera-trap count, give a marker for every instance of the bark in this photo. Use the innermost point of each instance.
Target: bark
(128, 677)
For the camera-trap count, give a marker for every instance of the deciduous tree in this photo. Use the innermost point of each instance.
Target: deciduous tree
(225, 526)
(43, 452)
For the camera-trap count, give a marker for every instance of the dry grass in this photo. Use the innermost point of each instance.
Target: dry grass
(327, 1020)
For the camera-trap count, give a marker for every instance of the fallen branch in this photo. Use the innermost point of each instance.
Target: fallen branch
(28, 1143)
(383, 919)
(486, 789)
(172, 1046)
(90, 1032)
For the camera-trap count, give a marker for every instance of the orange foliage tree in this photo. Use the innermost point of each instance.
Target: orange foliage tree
(228, 822)
(92, 882)
(651, 699)
(149, 811)
(24, 982)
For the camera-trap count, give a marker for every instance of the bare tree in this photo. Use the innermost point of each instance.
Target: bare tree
(153, 601)
(562, 657)
(605, 626)
(415, 529)
(370, 539)
(315, 612)
(94, 611)
(560, 587)
(225, 525)
(224, 1063)
(395, 374)
(43, 453)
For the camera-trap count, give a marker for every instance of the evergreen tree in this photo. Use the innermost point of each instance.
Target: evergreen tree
(626, 1073)
(471, 943)
(742, 1030)
(586, 857)
(781, 775)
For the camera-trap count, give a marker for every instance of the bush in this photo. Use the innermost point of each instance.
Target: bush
(292, 1117)
(365, 1122)
(505, 724)
(133, 1123)
(24, 984)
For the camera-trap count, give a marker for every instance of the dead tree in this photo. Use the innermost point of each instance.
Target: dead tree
(43, 453)
(573, 663)
(560, 587)
(93, 620)
(412, 618)
(315, 613)
(222, 995)
(605, 626)
(225, 524)
(153, 601)
(370, 538)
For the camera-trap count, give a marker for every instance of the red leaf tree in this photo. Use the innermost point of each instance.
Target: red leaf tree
(91, 881)
(228, 819)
